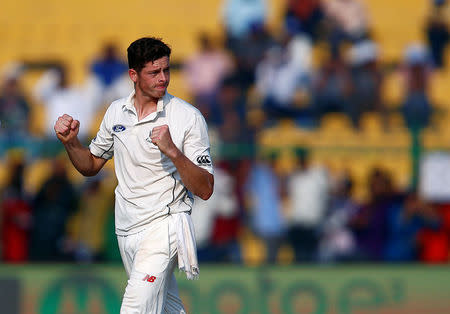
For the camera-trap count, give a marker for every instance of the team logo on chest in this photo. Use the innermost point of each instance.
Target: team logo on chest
(118, 128)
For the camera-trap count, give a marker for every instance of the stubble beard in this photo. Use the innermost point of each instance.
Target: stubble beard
(152, 93)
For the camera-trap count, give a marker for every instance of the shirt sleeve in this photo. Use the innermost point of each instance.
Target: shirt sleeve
(196, 145)
(102, 145)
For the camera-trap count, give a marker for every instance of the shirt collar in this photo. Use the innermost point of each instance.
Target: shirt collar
(129, 103)
(162, 102)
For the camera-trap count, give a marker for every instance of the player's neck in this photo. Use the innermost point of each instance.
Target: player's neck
(144, 105)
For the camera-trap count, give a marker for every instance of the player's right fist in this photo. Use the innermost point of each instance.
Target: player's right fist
(66, 128)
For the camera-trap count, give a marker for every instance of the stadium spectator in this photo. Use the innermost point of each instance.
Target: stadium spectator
(304, 17)
(434, 246)
(434, 243)
(405, 221)
(241, 16)
(86, 228)
(332, 88)
(14, 110)
(15, 213)
(229, 115)
(283, 74)
(223, 203)
(205, 71)
(367, 81)
(444, 213)
(348, 22)
(337, 242)
(109, 66)
(437, 32)
(417, 107)
(226, 230)
(109, 77)
(54, 203)
(58, 97)
(369, 223)
(263, 190)
(248, 52)
(308, 190)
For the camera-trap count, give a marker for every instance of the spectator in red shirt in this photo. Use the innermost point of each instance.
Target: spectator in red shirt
(16, 212)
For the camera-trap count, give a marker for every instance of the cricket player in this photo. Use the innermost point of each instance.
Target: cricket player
(162, 158)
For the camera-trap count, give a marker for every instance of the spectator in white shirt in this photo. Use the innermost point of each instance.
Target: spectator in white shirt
(308, 192)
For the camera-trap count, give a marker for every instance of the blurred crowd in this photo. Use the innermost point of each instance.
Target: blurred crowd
(323, 59)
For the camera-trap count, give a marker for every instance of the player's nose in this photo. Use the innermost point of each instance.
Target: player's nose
(163, 77)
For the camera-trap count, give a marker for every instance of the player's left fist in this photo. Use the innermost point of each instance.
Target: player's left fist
(161, 137)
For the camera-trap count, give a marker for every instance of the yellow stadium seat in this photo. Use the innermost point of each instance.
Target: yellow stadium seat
(393, 90)
(336, 122)
(253, 249)
(372, 123)
(396, 122)
(439, 87)
(396, 24)
(4, 174)
(35, 175)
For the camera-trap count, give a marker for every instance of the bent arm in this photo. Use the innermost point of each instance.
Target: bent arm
(82, 159)
(196, 179)
(66, 129)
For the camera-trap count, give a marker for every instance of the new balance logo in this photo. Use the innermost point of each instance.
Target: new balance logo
(149, 278)
(203, 160)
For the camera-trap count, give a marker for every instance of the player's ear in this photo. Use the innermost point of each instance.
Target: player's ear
(133, 75)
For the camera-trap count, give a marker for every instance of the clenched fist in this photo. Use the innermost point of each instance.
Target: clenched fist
(161, 137)
(66, 128)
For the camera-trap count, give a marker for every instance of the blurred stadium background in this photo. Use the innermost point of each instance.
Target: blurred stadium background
(329, 124)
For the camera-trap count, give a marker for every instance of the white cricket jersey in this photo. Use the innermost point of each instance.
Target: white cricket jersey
(149, 185)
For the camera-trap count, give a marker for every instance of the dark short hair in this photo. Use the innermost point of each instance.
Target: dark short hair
(144, 50)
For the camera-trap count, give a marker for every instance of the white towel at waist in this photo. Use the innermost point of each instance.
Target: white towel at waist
(186, 246)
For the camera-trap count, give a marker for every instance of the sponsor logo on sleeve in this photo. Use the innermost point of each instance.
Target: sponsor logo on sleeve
(204, 160)
(118, 128)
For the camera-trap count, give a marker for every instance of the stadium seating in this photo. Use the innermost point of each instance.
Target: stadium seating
(396, 24)
(73, 32)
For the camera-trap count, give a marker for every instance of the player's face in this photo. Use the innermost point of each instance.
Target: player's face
(153, 79)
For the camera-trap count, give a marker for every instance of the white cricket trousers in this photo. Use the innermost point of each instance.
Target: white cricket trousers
(150, 257)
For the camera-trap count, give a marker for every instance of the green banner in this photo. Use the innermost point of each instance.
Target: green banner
(229, 289)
